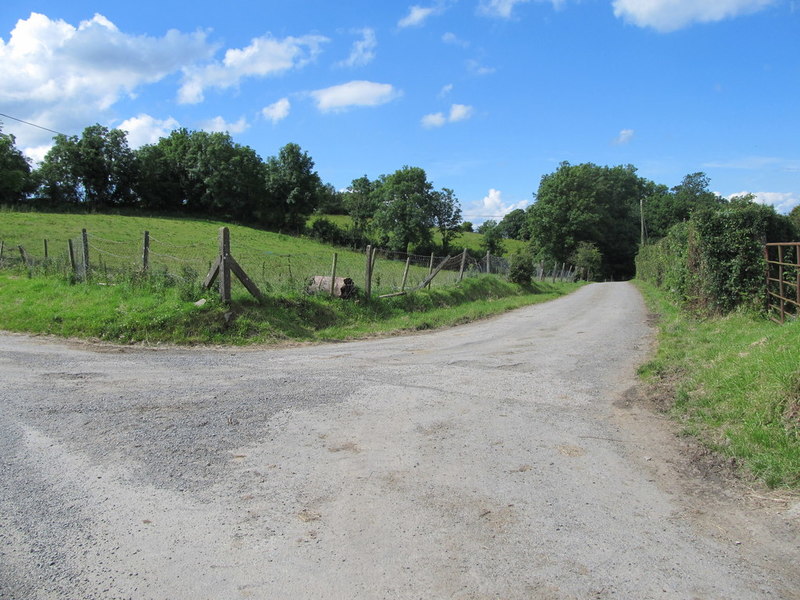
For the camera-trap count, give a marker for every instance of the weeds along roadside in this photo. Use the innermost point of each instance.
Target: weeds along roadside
(161, 308)
(732, 382)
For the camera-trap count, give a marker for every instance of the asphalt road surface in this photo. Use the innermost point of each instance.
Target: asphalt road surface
(504, 459)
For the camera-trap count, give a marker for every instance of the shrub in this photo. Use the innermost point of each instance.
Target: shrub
(521, 269)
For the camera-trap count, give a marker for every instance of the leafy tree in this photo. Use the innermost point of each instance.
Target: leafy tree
(520, 270)
(587, 259)
(588, 203)
(329, 201)
(405, 209)
(665, 207)
(292, 188)
(446, 216)
(361, 201)
(16, 181)
(98, 169)
(486, 225)
(492, 241)
(467, 227)
(794, 216)
(515, 225)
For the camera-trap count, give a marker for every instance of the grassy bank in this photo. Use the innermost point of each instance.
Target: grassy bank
(734, 383)
(161, 309)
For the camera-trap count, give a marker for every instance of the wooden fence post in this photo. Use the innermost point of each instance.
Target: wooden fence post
(2, 246)
(333, 273)
(71, 255)
(45, 250)
(368, 274)
(222, 267)
(430, 269)
(146, 252)
(23, 255)
(463, 264)
(85, 242)
(405, 274)
(488, 262)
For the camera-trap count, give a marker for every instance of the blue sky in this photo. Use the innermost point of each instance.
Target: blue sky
(485, 95)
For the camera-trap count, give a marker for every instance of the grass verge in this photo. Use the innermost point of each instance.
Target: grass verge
(733, 382)
(162, 309)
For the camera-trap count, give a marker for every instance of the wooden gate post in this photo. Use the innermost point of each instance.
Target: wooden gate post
(430, 270)
(222, 267)
(463, 263)
(368, 274)
(488, 262)
(405, 274)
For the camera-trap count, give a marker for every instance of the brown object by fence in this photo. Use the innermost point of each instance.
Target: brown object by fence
(783, 279)
(338, 287)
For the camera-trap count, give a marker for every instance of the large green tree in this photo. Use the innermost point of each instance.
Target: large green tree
(515, 225)
(361, 202)
(446, 216)
(292, 188)
(405, 209)
(665, 207)
(589, 203)
(15, 171)
(98, 169)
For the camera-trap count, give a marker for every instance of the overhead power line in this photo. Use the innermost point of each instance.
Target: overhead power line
(32, 124)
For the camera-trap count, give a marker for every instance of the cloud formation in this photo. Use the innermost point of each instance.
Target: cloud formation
(61, 76)
(783, 202)
(458, 112)
(145, 129)
(670, 15)
(492, 207)
(416, 16)
(625, 136)
(277, 111)
(363, 50)
(498, 8)
(263, 57)
(354, 93)
(218, 124)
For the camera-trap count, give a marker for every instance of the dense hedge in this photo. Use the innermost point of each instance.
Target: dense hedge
(715, 261)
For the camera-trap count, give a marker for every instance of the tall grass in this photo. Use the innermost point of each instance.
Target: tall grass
(737, 385)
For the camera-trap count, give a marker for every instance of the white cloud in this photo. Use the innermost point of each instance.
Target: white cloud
(499, 8)
(492, 207)
(363, 50)
(144, 129)
(434, 120)
(458, 112)
(474, 67)
(416, 16)
(354, 93)
(783, 202)
(277, 111)
(671, 15)
(625, 136)
(218, 124)
(452, 38)
(62, 76)
(263, 57)
(446, 89)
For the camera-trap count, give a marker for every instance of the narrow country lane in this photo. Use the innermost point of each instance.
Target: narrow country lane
(494, 460)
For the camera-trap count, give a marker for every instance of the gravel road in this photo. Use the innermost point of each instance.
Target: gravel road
(504, 459)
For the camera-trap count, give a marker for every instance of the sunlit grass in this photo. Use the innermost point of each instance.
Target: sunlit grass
(739, 389)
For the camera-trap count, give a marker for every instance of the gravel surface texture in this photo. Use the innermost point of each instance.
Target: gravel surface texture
(508, 458)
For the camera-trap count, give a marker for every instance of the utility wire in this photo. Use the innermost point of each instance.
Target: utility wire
(33, 124)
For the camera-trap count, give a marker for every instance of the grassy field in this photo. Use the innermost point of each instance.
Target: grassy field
(734, 383)
(187, 247)
(119, 304)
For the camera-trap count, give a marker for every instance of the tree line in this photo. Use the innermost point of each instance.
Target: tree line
(594, 217)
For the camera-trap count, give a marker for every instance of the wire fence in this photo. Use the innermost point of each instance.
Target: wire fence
(109, 260)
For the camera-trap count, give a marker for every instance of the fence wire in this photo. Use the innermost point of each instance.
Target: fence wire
(111, 259)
